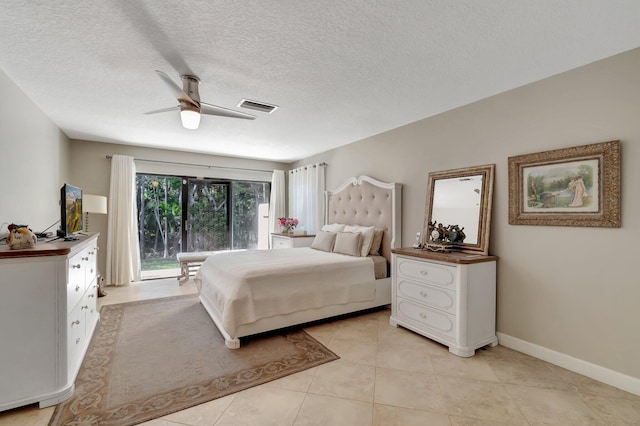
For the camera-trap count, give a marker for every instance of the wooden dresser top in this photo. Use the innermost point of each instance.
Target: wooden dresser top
(46, 247)
(452, 257)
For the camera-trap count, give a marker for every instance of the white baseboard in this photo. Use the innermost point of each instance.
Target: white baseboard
(596, 372)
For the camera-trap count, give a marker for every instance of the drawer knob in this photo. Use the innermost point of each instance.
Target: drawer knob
(423, 315)
(77, 287)
(424, 272)
(91, 295)
(75, 266)
(76, 322)
(84, 307)
(77, 340)
(91, 253)
(85, 258)
(423, 293)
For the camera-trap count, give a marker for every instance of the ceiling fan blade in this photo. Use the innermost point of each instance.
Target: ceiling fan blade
(177, 91)
(224, 112)
(175, 108)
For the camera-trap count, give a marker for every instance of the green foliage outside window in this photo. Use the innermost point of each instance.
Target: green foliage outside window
(212, 221)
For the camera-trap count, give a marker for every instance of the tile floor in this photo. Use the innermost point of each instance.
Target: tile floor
(391, 376)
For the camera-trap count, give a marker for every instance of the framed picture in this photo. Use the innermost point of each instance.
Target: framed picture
(577, 186)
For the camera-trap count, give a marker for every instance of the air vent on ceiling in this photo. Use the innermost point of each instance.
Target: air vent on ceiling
(258, 106)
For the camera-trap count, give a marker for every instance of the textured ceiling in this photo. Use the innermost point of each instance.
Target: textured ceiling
(339, 70)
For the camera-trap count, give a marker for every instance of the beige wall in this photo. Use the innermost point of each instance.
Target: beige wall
(571, 290)
(91, 170)
(33, 161)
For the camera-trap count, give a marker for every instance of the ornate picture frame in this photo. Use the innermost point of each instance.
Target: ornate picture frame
(577, 186)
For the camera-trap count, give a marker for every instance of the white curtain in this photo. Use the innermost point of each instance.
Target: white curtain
(277, 201)
(306, 196)
(123, 249)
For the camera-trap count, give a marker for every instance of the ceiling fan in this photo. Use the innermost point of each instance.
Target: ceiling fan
(190, 106)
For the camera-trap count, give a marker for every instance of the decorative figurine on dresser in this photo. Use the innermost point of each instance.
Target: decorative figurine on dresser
(446, 289)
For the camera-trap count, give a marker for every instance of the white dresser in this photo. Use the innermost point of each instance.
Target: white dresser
(449, 298)
(47, 317)
(279, 241)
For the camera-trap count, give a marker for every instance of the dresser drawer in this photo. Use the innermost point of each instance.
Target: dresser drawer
(75, 337)
(89, 259)
(427, 318)
(424, 272)
(89, 304)
(279, 243)
(75, 290)
(76, 271)
(436, 297)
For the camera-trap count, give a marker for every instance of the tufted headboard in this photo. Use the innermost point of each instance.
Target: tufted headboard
(368, 202)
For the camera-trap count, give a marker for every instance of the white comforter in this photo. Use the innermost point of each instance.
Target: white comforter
(250, 285)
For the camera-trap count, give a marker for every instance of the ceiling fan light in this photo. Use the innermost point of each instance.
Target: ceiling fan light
(190, 119)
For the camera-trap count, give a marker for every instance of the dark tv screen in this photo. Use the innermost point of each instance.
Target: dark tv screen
(70, 210)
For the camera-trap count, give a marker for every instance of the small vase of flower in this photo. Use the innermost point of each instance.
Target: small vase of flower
(288, 224)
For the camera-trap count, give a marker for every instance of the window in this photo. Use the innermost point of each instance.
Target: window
(178, 213)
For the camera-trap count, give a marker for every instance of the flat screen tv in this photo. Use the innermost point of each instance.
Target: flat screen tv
(70, 210)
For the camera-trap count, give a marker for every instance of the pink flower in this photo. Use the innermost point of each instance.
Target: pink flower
(288, 223)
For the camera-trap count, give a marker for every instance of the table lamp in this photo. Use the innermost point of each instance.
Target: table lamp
(95, 204)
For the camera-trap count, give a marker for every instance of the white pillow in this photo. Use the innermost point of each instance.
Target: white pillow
(367, 236)
(334, 227)
(324, 241)
(376, 242)
(348, 243)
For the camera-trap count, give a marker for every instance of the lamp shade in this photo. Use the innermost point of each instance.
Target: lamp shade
(94, 204)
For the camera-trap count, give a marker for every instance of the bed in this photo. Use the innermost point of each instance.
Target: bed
(251, 292)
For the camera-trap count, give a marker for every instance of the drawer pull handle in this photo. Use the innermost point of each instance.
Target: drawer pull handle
(77, 340)
(75, 266)
(85, 258)
(91, 253)
(91, 295)
(77, 287)
(423, 315)
(424, 272)
(76, 322)
(84, 307)
(423, 293)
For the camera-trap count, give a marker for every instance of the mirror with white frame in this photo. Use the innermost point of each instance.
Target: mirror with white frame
(462, 197)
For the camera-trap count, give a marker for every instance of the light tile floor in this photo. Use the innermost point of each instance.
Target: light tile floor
(391, 376)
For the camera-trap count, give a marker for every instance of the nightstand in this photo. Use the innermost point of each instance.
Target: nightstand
(279, 240)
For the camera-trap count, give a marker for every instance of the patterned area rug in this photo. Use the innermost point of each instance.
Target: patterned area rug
(152, 358)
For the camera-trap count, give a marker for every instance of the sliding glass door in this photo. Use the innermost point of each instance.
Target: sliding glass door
(207, 218)
(159, 202)
(247, 225)
(177, 213)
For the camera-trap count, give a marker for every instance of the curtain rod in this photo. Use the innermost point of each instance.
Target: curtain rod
(308, 166)
(109, 156)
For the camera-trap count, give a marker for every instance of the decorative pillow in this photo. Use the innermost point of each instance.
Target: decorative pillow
(334, 227)
(376, 242)
(367, 237)
(348, 243)
(324, 241)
